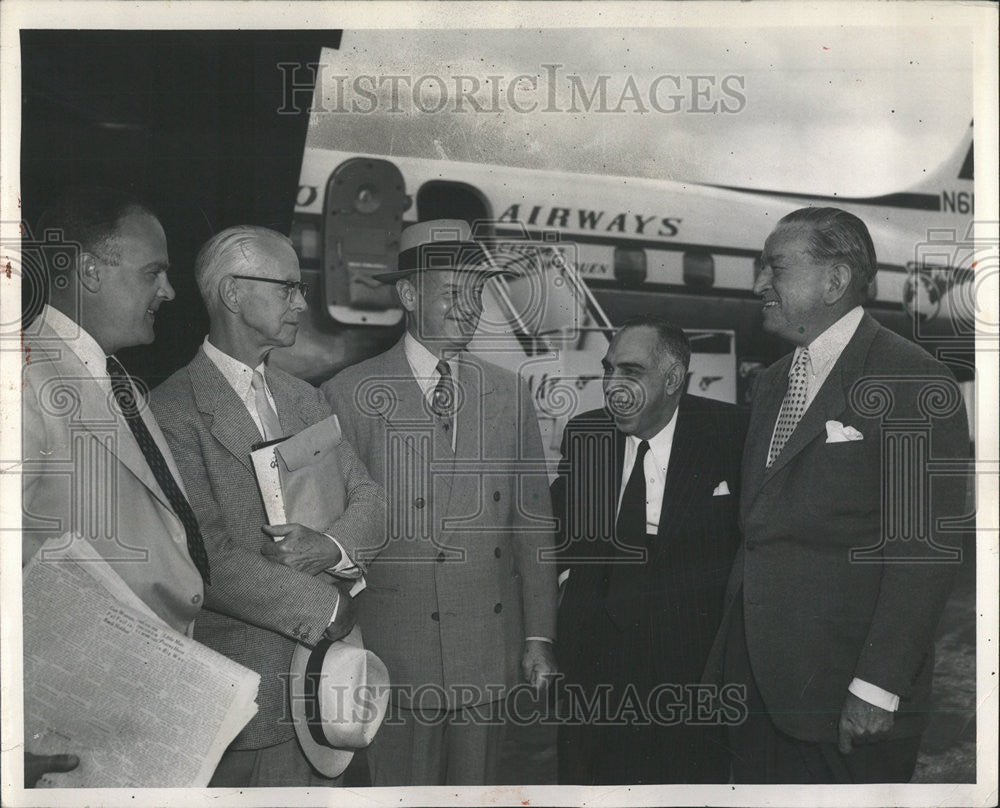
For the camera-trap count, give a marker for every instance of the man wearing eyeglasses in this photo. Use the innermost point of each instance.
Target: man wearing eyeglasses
(214, 410)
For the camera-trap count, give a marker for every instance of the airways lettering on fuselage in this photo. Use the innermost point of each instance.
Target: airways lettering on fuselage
(594, 220)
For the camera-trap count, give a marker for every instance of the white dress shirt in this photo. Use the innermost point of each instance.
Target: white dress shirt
(655, 468)
(423, 365)
(239, 377)
(824, 351)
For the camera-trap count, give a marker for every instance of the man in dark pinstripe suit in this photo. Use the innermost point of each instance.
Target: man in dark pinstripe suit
(265, 596)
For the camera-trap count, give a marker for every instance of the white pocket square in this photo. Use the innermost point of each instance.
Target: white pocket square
(721, 490)
(836, 432)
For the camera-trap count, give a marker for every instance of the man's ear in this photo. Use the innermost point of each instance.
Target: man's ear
(838, 281)
(229, 295)
(407, 293)
(674, 381)
(89, 272)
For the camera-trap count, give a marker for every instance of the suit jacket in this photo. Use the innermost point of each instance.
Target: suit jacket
(691, 555)
(256, 609)
(815, 617)
(84, 471)
(459, 581)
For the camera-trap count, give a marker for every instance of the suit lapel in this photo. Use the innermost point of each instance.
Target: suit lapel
(767, 401)
(231, 423)
(98, 415)
(830, 401)
(683, 474)
(288, 404)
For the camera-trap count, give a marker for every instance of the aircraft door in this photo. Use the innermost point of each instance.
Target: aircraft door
(362, 218)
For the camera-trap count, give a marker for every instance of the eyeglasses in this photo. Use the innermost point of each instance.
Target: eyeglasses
(290, 286)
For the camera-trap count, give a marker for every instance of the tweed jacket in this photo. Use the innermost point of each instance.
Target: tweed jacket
(83, 471)
(833, 587)
(463, 577)
(256, 609)
(691, 556)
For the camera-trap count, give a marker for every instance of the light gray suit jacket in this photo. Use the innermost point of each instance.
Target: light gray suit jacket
(256, 609)
(458, 583)
(83, 471)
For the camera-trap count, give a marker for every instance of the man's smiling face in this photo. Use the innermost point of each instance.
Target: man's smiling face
(792, 285)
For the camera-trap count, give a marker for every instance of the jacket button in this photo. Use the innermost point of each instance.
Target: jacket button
(196, 599)
(498, 608)
(749, 544)
(435, 617)
(419, 502)
(496, 496)
(441, 556)
(497, 552)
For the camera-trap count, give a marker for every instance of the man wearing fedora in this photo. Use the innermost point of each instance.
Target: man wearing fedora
(213, 411)
(459, 604)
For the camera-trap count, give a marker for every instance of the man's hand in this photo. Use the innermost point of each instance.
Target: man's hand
(861, 722)
(538, 663)
(347, 615)
(302, 548)
(37, 765)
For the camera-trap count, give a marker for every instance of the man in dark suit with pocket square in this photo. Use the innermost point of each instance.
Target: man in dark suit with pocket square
(646, 500)
(848, 554)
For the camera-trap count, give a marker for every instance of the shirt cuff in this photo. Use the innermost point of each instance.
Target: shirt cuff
(549, 640)
(346, 566)
(874, 694)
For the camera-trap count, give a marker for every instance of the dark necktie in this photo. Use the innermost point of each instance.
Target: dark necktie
(625, 601)
(125, 395)
(443, 398)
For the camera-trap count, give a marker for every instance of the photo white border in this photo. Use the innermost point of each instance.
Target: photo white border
(198, 14)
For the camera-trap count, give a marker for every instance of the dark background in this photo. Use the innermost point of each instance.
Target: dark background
(187, 121)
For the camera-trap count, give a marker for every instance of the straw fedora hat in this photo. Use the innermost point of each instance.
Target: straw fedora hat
(440, 244)
(339, 694)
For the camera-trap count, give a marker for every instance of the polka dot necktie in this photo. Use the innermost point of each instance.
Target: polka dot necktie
(443, 398)
(125, 395)
(792, 407)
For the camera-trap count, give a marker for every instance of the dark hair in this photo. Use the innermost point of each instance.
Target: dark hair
(88, 216)
(836, 235)
(672, 339)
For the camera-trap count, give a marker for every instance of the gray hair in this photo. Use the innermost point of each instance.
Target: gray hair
(231, 252)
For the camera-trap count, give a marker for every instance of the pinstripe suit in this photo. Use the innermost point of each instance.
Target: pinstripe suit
(256, 609)
(689, 564)
(458, 585)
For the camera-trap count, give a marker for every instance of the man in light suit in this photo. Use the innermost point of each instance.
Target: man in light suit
(847, 557)
(643, 626)
(459, 604)
(265, 595)
(95, 461)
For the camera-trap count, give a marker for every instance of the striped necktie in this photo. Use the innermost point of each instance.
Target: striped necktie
(126, 397)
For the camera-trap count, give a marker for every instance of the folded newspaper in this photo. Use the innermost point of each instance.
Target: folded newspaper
(108, 680)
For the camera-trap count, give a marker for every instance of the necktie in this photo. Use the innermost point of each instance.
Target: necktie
(443, 397)
(625, 601)
(269, 423)
(792, 406)
(126, 397)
